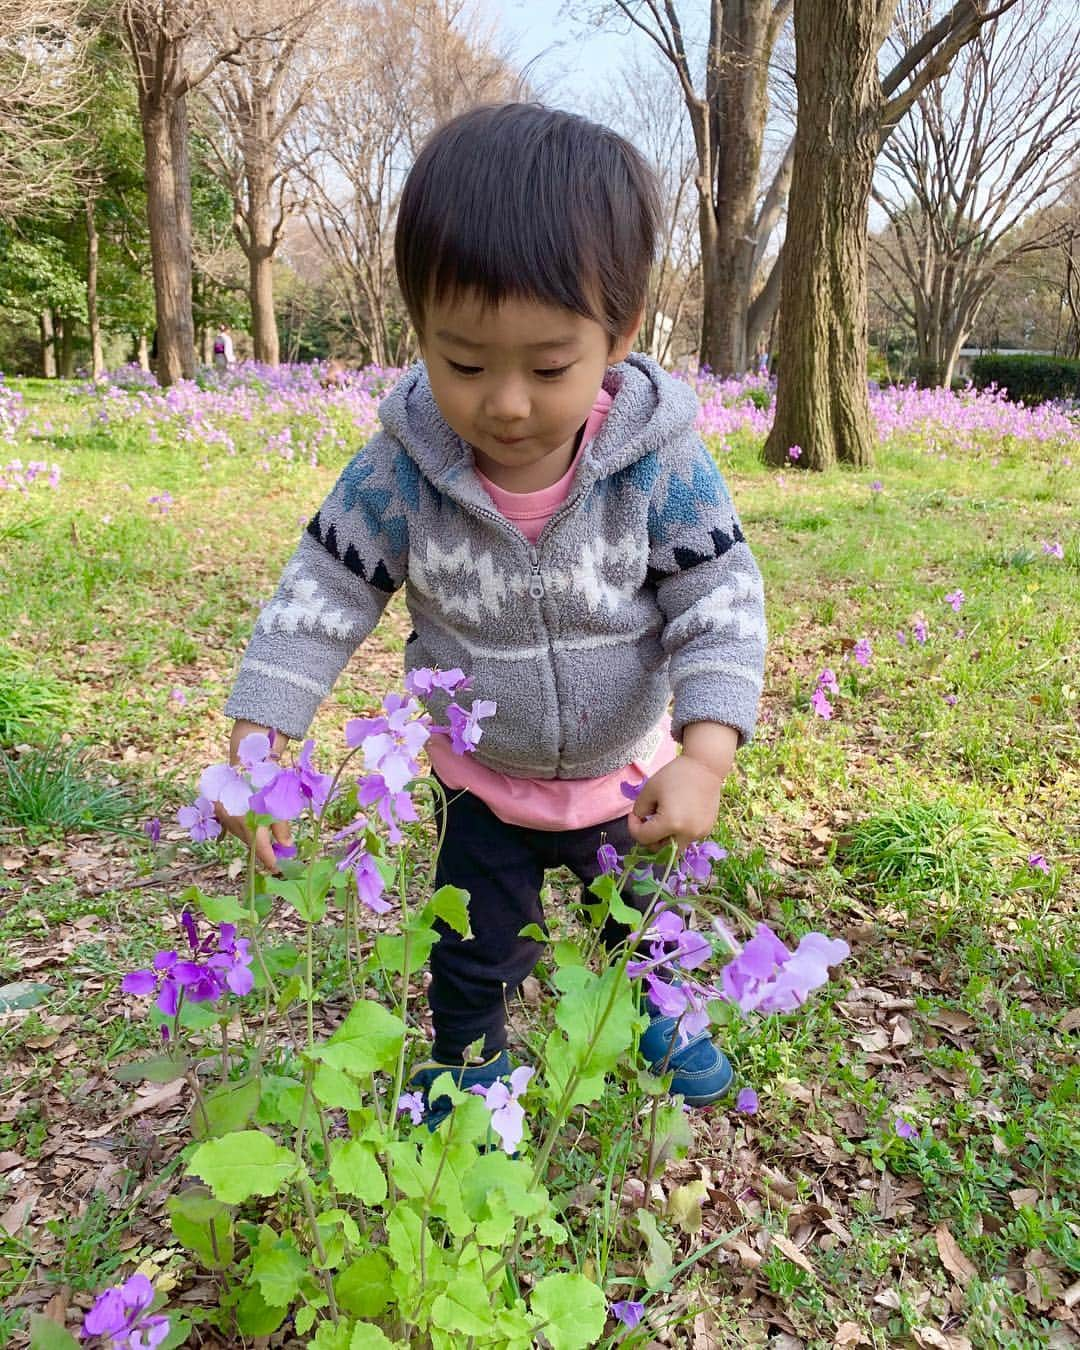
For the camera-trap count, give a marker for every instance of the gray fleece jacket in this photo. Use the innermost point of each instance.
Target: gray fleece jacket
(640, 587)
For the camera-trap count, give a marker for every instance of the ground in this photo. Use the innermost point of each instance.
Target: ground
(930, 821)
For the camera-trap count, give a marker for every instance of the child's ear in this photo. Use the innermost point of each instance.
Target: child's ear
(623, 345)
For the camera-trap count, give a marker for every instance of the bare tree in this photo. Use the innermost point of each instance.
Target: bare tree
(728, 107)
(42, 53)
(846, 112)
(647, 107)
(402, 68)
(257, 96)
(175, 45)
(981, 148)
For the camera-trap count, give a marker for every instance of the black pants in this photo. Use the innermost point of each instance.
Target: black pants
(502, 867)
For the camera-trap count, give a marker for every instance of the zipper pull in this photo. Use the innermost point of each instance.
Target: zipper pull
(536, 585)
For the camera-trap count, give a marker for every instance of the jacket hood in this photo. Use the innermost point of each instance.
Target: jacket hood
(650, 409)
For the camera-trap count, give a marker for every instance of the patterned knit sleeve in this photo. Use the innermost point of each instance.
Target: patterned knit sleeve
(351, 559)
(709, 590)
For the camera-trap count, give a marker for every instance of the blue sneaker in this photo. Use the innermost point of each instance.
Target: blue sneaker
(464, 1075)
(700, 1070)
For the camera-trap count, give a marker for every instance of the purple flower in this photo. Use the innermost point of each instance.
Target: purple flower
(232, 785)
(391, 743)
(956, 600)
(951, 700)
(507, 1113)
(291, 791)
(877, 485)
(608, 859)
(901, 637)
(905, 1129)
(152, 830)
(233, 959)
(631, 790)
(283, 850)
(747, 1101)
(827, 680)
(220, 961)
(920, 631)
(178, 697)
(795, 453)
(1038, 863)
(199, 820)
(628, 1311)
(767, 977)
(122, 1314)
(694, 868)
(1052, 549)
(422, 682)
(863, 651)
(821, 704)
(393, 807)
(413, 1102)
(465, 729)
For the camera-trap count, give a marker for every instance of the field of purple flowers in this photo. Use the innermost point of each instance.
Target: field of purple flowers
(901, 1165)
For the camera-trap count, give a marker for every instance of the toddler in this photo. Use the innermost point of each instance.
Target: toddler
(563, 536)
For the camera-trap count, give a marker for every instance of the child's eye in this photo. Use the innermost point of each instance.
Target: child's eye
(463, 370)
(552, 372)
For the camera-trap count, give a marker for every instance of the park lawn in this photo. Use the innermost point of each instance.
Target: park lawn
(904, 823)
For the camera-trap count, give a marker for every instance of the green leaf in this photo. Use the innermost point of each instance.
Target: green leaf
(156, 1069)
(567, 953)
(256, 1317)
(451, 904)
(336, 1090)
(330, 1219)
(659, 1263)
(243, 1164)
(366, 1336)
(45, 1334)
(534, 931)
(684, 1205)
(225, 1108)
(390, 950)
(311, 908)
(217, 908)
(674, 1137)
(279, 1271)
(22, 994)
(606, 887)
(363, 1288)
(465, 1307)
(204, 1226)
(355, 1171)
(281, 1101)
(572, 1311)
(369, 1039)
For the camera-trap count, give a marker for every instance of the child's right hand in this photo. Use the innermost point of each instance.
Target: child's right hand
(279, 831)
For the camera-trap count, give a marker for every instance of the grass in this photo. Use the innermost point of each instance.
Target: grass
(904, 823)
(50, 791)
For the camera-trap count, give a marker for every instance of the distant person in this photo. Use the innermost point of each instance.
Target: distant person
(762, 360)
(561, 532)
(337, 374)
(223, 349)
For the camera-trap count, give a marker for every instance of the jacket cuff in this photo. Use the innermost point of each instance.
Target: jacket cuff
(717, 691)
(272, 697)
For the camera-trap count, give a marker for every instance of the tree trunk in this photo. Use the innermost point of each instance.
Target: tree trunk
(822, 405)
(66, 330)
(48, 351)
(97, 362)
(168, 212)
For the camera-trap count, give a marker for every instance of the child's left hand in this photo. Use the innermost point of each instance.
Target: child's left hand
(683, 799)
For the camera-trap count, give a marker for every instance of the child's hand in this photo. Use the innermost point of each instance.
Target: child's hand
(683, 799)
(279, 831)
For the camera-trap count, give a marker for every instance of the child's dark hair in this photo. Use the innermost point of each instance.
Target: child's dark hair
(519, 200)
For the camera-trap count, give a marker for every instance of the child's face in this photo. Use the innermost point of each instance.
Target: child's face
(517, 382)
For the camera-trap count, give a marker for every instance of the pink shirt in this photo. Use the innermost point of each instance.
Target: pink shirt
(547, 803)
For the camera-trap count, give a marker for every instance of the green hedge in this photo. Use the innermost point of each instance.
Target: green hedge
(1028, 379)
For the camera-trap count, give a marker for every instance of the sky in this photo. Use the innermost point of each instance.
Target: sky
(570, 57)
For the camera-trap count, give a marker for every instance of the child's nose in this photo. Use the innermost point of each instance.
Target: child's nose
(508, 401)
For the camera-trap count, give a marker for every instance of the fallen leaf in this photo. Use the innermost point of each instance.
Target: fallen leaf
(1024, 1195)
(848, 1333)
(788, 1248)
(1071, 1020)
(952, 1258)
(19, 1210)
(938, 1340)
(156, 1098)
